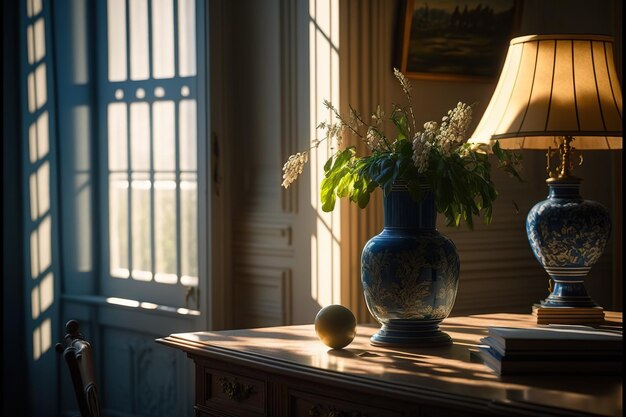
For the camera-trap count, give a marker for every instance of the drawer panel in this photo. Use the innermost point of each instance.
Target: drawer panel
(229, 392)
(309, 405)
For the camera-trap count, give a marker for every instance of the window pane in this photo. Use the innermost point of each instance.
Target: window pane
(140, 136)
(186, 38)
(118, 226)
(162, 39)
(188, 137)
(189, 228)
(140, 226)
(165, 229)
(118, 136)
(116, 39)
(139, 53)
(83, 227)
(164, 136)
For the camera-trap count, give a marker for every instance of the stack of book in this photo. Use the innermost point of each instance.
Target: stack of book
(554, 349)
(568, 315)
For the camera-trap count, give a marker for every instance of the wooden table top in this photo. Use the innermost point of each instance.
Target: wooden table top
(450, 370)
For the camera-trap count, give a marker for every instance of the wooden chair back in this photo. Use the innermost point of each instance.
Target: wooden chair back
(78, 354)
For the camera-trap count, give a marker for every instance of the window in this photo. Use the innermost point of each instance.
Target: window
(152, 135)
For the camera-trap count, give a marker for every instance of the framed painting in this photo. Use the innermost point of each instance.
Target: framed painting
(459, 40)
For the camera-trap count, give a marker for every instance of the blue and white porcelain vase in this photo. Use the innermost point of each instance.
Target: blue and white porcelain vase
(409, 273)
(567, 235)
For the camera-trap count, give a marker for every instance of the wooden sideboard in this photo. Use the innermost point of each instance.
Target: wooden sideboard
(287, 371)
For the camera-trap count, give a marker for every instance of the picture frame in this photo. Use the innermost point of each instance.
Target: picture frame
(456, 40)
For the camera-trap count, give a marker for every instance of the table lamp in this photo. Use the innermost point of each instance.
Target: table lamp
(560, 93)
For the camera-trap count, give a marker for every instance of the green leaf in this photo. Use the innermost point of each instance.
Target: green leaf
(363, 199)
(400, 120)
(328, 203)
(345, 186)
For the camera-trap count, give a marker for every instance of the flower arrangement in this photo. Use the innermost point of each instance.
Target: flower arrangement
(438, 158)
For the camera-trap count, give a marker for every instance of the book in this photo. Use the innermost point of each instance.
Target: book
(538, 309)
(504, 365)
(569, 320)
(556, 338)
(560, 355)
(568, 315)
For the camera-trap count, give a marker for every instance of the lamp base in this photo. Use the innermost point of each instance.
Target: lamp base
(568, 294)
(567, 235)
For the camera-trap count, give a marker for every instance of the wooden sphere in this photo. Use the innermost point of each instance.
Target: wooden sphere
(335, 325)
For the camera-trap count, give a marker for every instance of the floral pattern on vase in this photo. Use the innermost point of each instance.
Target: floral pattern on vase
(410, 273)
(568, 235)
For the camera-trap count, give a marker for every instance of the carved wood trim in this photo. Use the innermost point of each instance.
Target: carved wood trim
(235, 390)
(319, 410)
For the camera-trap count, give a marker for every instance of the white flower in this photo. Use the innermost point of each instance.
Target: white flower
(373, 139)
(421, 151)
(379, 116)
(451, 133)
(404, 83)
(430, 131)
(293, 167)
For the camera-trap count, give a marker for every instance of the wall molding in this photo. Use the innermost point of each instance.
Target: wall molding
(262, 296)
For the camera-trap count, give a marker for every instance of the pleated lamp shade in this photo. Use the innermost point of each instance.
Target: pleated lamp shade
(553, 86)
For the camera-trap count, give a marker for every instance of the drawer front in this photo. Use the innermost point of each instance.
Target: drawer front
(309, 405)
(235, 394)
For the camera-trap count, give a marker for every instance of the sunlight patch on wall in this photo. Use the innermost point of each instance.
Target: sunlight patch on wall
(42, 339)
(38, 140)
(324, 85)
(35, 36)
(41, 248)
(39, 171)
(33, 7)
(127, 302)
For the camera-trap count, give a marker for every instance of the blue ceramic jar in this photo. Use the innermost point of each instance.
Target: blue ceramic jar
(409, 273)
